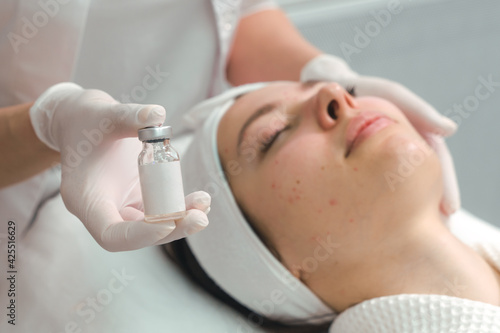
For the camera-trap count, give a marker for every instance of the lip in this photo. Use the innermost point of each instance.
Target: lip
(364, 126)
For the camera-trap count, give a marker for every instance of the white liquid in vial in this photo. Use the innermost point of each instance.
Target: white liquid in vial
(162, 191)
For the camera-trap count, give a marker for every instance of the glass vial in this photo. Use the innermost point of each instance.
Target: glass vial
(160, 176)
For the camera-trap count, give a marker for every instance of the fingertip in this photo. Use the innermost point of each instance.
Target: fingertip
(449, 127)
(197, 221)
(128, 118)
(152, 115)
(452, 204)
(198, 200)
(448, 208)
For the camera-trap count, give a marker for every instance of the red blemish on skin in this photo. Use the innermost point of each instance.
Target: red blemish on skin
(276, 161)
(226, 150)
(320, 211)
(355, 169)
(332, 202)
(315, 238)
(273, 185)
(297, 197)
(294, 189)
(328, 233)
(290, 199)
(351, 220)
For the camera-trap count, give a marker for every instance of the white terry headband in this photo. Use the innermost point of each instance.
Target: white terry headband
(228, 249)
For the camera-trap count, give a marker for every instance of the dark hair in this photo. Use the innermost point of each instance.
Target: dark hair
(180, 252)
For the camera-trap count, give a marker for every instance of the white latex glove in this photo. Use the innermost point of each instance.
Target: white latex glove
(100, 178)
(427, 121)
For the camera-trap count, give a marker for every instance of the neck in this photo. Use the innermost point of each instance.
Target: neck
(426, 258)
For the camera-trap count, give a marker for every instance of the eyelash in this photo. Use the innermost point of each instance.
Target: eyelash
(266, 145)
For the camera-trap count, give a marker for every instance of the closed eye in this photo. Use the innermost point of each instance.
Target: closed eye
(267, 144)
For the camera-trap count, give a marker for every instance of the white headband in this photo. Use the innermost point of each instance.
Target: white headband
(228, 249)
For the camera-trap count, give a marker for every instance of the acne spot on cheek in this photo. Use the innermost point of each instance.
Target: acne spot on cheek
(355, 169)
(351, 220)
(315, 238)
(276, 162)
(298, 182)
(294, 189)
(292, 198)
(226, 150)
(320, 211)
(332, 202)
(273, 186)
(322, 168)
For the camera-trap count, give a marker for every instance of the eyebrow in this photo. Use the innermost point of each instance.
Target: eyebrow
(258, 113)
(263, 110)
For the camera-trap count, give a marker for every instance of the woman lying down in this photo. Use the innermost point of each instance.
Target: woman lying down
(326, 208)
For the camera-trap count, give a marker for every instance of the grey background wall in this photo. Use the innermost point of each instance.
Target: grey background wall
(440, 49)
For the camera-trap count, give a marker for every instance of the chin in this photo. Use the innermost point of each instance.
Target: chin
(388, 146)
(410, 165)
(399, 154)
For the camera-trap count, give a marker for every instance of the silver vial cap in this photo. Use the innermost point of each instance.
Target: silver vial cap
(155, 133)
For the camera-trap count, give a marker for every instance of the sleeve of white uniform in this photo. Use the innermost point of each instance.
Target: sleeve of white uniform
(249, 7)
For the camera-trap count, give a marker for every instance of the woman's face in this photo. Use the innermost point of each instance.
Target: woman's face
(325, 177)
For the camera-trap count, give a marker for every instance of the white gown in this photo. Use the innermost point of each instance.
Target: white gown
(167, 52)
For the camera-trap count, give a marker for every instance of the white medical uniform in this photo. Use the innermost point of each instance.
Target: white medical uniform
(167, 52)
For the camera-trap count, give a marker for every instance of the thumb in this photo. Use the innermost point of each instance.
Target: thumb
(128, 118)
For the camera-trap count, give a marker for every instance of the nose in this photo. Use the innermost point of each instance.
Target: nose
(334, 103)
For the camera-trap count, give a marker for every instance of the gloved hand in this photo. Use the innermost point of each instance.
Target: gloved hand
(427, 121)
(100, 178)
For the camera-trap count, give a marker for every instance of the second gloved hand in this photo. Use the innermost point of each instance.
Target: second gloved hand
(426, 120)
(100, 183)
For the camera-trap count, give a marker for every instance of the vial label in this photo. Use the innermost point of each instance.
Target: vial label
(161, 186)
